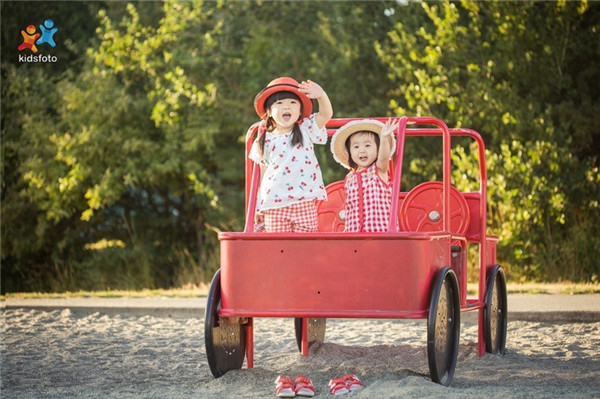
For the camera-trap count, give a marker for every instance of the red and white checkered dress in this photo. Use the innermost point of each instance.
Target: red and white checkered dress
(368, 201)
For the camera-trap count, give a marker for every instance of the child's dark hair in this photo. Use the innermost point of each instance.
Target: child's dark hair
(296, 133)
(354, 165)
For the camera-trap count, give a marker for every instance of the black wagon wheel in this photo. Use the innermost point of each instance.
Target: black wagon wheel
(225, 342)
(316, 330)
(496, 313)
(443, 327)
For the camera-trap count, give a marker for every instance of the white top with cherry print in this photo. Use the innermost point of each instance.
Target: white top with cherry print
(292, 174)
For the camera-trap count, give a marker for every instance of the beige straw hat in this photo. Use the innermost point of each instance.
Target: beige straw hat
(338, 140)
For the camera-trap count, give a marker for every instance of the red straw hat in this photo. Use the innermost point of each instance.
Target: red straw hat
(277, 85)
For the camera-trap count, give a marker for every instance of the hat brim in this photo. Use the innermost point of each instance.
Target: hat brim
(338, 140)
(259, 100)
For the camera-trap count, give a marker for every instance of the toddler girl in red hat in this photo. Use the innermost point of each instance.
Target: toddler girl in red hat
(291, 179)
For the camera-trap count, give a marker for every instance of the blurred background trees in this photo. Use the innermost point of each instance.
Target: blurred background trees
(122, 160)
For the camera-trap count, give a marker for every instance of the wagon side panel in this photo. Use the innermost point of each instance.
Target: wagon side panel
(329, 277)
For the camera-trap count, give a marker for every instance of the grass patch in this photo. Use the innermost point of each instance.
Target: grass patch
(187, 291)
(544, 288)
(196, 291)
(554, 288)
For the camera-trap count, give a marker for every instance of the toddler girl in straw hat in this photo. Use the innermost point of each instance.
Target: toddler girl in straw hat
(365, 147)
(291, 179)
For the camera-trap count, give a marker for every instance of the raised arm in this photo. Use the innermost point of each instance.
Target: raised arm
(383, 158)
(314, 91)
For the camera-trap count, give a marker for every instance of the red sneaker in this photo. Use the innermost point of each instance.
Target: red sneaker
(337, 386)
(352, 382)
(304, 386)
(284, 387)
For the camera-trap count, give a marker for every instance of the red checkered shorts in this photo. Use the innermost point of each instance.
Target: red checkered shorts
(296, 218)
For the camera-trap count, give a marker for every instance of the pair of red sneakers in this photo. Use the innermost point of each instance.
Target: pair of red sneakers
(345, 384)
(285, 387)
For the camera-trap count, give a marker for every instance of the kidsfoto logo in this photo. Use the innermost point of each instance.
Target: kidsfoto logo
(32, 38)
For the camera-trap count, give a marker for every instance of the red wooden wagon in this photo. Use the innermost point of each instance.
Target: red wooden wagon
(417, 271)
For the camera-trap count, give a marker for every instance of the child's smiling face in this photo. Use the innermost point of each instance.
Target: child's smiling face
(285, 113)
(363, 149)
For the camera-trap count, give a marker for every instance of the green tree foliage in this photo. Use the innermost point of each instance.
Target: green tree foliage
(121, 162)
(130, 160)
(514, 70)
(134, 161)
(516, 74)
(33, 249)
(543, 204)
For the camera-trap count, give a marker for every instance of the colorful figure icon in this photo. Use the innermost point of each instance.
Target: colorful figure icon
(48, 32)
(29, 39)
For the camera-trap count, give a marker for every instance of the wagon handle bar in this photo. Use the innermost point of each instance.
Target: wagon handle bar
(250, 210)
(393, 226)
(421, 120)
(252, 180)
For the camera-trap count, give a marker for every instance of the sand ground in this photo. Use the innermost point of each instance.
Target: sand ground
(74, 354)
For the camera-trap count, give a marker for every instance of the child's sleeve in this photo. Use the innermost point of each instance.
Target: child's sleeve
(255, 154)
(316, 134)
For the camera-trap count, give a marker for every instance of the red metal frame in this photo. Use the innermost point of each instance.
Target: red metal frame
(339, 274)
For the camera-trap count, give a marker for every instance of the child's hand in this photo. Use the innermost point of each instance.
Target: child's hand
(314, 91)
(389, 127)
(311, 89)
(259, 223)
